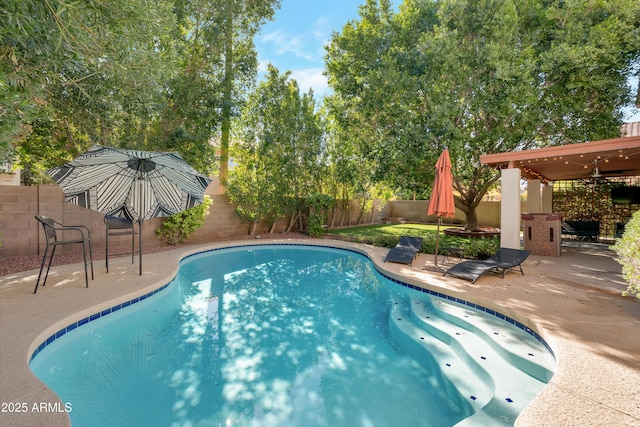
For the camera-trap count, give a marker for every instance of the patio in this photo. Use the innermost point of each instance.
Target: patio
(594, 161)
(573, 301)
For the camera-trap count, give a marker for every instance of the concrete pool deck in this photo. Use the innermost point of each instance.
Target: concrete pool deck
(573, 301)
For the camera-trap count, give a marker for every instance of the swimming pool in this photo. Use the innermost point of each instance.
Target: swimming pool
(292, 336)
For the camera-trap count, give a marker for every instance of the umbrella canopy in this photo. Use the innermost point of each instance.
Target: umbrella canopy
(132, 184)
(441, 202)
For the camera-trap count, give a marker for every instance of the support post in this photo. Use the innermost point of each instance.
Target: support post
(533, 196)
(510, 215)
(547, 198)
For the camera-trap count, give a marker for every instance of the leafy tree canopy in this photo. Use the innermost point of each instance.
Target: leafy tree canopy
(280, 151)
(479, 76)
(159, 75)
(78, 60)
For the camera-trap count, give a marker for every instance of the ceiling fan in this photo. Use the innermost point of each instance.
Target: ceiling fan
(596, 172)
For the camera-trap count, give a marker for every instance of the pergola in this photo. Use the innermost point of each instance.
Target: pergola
(615, 157)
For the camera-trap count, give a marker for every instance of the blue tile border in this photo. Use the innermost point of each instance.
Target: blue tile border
(92, 318)
(117, 307)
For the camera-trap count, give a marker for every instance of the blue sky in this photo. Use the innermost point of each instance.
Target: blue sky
(295, 39)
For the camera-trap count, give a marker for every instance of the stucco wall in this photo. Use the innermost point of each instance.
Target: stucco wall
(416, 210)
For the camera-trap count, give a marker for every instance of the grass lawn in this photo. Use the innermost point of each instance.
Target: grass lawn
(387, 235)
(387, 230)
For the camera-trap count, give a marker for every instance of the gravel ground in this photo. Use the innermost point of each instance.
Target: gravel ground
(11, 265)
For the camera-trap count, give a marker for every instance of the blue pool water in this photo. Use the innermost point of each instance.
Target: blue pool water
(285, 336)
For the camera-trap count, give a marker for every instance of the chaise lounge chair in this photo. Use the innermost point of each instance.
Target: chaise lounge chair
(505, 259)
(405, 251)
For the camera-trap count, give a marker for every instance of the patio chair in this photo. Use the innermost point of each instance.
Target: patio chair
(503, 260)
(405, 251)
(51, 228)
(116, 226)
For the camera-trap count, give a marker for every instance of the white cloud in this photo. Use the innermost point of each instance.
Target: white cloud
(311, 78)
(284, 43)
(307, 78)
(262, 67)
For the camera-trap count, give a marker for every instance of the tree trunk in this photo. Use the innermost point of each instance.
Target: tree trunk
(470, 216)
(294, 217)
(252, 228)
(471, 219)
(333, 215)
(468, 203)
(227, 89)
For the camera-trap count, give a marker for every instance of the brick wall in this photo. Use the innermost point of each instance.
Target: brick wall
(21, 234)
(542, 233)
(16, 205)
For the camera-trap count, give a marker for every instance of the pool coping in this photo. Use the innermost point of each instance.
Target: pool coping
(17, 301)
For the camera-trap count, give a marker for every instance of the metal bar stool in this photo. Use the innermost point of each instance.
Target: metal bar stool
(51, 227)
(117, 226)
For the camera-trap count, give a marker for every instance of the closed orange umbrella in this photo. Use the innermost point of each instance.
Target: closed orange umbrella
(441, 201)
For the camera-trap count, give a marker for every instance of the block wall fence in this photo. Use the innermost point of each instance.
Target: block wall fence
(21, 234)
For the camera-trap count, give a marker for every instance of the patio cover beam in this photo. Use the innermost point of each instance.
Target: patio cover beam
(616, 157)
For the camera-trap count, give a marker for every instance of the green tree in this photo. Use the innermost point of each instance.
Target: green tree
(374, 105)
(167, 77)
(237, 21)
(279, 154)
(628, 250)
(91, 63)
(217, 66)
(481, 77)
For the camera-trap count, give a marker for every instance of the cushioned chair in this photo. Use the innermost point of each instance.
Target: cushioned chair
(503, 260)
(116, 226)
(405, 251)
(81, 235)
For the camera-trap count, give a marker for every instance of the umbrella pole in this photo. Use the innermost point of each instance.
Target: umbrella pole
(140, 221)
(435, 261)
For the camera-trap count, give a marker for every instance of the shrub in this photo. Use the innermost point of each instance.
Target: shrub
(177, 228)
(385, 241)
(314, 227)
(481, 248)
(628, 250)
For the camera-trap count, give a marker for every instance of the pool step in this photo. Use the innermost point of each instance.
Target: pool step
(446, 372)
(470, 352)
(520, 350)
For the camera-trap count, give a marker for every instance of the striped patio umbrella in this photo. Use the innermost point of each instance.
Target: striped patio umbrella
(131, 184)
